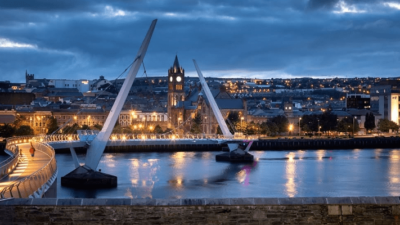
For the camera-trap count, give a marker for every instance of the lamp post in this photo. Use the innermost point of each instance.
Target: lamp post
(241, 123)
(355, 117)
(318, 127)
(299, 125)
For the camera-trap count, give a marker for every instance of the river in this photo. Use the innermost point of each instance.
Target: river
(309, 173)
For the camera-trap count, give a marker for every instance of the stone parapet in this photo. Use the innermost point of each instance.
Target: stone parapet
(318, 210)
(390, 200)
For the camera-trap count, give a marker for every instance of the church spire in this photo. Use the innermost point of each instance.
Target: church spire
(176, 64)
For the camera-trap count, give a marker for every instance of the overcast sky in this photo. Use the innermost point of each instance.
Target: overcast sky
(231, 38)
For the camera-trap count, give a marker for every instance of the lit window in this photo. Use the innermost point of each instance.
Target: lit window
(178, 87)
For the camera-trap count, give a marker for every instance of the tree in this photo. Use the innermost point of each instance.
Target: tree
(97, 127)
(85, 127)
(309, 123)
(369, 123)
(282, 122)
(328, 121)
(6, 130)
(196, 124)
(384, 125)
(52, 125)
(24, 130)
(168, 130)
(264, 129)
(233, 116)
(273, 128)
(251, 128)
(71, 129)
(346, 125)
(19, 121)
(394, 126)
(158, 129)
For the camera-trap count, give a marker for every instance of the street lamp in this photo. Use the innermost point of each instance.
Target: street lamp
(318, 127)
(299, 125)
(353, 124)
(290, 128)
(241, 123)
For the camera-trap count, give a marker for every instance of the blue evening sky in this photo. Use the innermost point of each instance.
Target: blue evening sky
(82, 39)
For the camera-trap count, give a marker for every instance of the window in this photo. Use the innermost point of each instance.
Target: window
(178, 87)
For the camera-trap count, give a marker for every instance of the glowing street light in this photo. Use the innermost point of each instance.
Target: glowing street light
(299, 125)
(241, 123)
(353, 124)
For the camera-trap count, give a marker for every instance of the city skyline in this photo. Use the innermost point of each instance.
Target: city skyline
(285, 39)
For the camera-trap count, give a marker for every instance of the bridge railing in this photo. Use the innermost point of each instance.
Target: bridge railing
(76, 137)
(114, 137)
(36, 184)
(176, 136)
(7, 166)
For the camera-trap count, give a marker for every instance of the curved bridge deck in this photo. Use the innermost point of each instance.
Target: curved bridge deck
(27, 165)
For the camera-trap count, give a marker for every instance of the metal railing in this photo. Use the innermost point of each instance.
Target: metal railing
(114, 137)
(36, 184)
(8, 165)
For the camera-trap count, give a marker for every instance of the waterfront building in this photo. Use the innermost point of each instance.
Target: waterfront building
(38, 120)
(358, 101)
(88, 116)
(385, 100)
(143, 120)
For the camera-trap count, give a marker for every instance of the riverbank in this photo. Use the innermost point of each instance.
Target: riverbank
(275, 144)
(261, 145)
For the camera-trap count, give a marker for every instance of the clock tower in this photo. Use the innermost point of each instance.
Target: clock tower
(176, 92)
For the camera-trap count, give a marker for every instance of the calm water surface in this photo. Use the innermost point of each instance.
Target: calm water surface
(311, 173)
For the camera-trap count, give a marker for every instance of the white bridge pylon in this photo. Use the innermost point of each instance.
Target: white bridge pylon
(213, 104)
(96, 148)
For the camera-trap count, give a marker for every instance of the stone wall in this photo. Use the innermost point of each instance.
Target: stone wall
(352, 210)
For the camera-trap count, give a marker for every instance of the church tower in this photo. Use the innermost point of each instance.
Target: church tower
(176, 92)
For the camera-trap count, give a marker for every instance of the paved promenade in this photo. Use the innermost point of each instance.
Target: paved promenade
(26, 167)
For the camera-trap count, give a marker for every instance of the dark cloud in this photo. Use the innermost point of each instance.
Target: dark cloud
(325, 4)
(45, 5)
(90, 39)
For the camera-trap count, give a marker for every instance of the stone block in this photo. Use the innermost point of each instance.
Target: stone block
(44, 201)
(217, 201)
(242, 201)
(266, 201)
(290, 201)
(69, 201)
(20, 201)
(258, 214)
(315, 200)
(193, 202)
(396, 210)
(119, 201)
(168, 202)
(94, 201)
(143, 201)
(347, 210)
(333, 210)
(363, 200)
(339, 200)
(387, 200)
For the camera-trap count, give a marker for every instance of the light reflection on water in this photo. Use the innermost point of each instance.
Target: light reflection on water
(359, 172)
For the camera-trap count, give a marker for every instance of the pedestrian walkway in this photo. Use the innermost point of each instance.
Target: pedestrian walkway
(27, 165)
